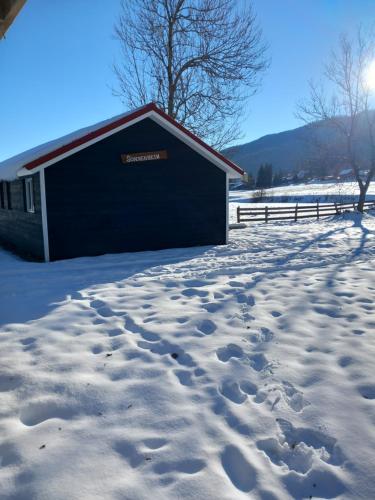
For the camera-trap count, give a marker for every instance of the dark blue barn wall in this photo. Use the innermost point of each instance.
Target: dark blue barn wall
(19, 230)
(96, 204)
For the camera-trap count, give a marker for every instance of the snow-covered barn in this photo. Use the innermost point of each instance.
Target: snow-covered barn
(139, 181)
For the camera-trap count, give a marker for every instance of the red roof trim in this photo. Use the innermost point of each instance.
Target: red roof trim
(117, 123)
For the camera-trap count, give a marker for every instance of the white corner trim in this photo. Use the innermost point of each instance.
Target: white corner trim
(44, 214)
(227, 208)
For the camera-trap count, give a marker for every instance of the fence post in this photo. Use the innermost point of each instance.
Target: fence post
(238, 214)
(296, 213)
(266, 214)
(336, 208)
(354, 206)
(317, 209)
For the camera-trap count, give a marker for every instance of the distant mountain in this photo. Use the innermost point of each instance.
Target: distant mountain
(294, 149)
(291, 150)
(285, 150)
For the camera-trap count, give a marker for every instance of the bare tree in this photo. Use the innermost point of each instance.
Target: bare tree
(342, 102)
(198, 60)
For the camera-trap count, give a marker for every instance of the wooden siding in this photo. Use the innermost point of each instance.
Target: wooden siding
(19, 230)
(96, 204)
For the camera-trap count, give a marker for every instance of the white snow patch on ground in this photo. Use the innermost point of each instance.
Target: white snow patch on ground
(228, 372)
(325, 192)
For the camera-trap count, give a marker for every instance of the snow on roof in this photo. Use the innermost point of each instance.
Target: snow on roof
(10, 167)
(40, 155)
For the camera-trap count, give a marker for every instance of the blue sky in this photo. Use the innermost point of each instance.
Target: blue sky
(56, 76)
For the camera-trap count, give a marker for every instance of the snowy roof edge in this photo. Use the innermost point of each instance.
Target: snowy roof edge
(39, 155)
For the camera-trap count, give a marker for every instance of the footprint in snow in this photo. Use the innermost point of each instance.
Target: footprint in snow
(105, 312)
(248, 387)
(8, 455)
(229, 351)
(239, 471)
(175, 297)
(242, 298)
(358, 332)
(164, 347)
(9, 382)
(325, 446)
(195, 283)
(116, 344)
(96, 304)
(212, 307)
(39, 411)
(193, 292)
(134, 328)
(265, 335)
(259, 362)
(236, 284)
(207, 327)
(114, 332)
(97, 349)
(276, 314)
(171, 284)
(98, 321)
(183, 319)
(28, 341)
(220, 407)
(184, 377)
(231, 390)
(296, 458)
(129, 452)
(367, 391)
(103, 309)
(238, 393)
(302, 481)
(294, 397)
(314, 484)
(345, 361)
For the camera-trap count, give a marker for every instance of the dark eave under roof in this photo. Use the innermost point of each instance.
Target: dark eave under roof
(8, 12)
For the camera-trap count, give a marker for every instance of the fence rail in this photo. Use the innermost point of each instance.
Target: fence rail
(317, 210)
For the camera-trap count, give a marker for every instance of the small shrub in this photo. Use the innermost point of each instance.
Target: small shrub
(259, 195)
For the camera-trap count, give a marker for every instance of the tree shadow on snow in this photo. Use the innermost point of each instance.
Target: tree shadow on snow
(357, 252)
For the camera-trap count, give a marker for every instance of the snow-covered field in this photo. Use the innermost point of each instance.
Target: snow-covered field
(325, 192)
(239, 371)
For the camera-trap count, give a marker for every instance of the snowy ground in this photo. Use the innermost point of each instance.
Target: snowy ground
(240, 371)
(325, 192)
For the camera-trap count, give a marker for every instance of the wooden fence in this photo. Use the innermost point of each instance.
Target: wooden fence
(296, 212)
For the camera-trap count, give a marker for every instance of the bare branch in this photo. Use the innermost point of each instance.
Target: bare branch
(346, 110)
(199, 60)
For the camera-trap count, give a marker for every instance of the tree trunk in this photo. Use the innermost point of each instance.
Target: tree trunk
(362, 198)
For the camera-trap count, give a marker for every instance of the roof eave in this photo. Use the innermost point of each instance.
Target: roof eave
(149, 110)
